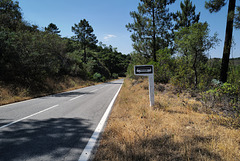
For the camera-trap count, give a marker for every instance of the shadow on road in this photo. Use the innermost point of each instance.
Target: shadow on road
(113, 83)
(69, 94)
(51, 139)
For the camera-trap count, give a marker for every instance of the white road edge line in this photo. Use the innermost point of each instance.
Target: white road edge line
(76, 97)
(92, 141)
(14, 122)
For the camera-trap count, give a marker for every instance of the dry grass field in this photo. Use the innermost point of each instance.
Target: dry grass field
(174, 129)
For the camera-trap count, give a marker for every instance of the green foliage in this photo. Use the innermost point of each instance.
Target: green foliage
(192, 43)
(10, 14)
(52, 28)
(72, 64)
(237, 18)
(152, 23)
(95, 65)
(225, 96)
(215, 5)
(164, 67)
(84, 34)
(130, 71)
(115, 76)
(30, 56)
(229, 89)
(234, 75)
(187, 17)
(184, 75)
(136, 59)
(97, 77)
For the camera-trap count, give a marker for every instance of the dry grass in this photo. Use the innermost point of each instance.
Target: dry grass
(171, 130)
(9, 96)
(11, 93)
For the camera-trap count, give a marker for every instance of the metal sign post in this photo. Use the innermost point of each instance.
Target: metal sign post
(147, 70)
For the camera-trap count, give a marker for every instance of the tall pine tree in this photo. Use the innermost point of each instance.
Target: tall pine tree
(215, 6)
(84, 34)
(151, 26)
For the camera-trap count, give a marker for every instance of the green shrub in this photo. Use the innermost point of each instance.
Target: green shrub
(97, 77)
(103, 79)
(130, 71)
(164, 67)
(183, 74)
(115, 76)
(223, 96)
(234, 75)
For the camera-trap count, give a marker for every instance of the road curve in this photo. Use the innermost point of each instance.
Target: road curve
(55, 127)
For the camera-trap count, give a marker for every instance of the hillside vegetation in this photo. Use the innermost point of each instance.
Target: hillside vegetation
(33, 58)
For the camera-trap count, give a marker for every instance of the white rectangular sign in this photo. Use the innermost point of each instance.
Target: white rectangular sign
(147, 70)
(143, 70)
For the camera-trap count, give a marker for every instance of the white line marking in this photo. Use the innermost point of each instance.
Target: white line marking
(76, 97)
(14, 122)
(92, 141)
(94, 90)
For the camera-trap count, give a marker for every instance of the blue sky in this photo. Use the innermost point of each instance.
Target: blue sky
(109, 17)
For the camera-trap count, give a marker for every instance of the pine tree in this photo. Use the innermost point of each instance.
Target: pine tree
(151, 27)
(84, 34)
(187, 17)
(215, 6)
(52, 28)
(237, 18)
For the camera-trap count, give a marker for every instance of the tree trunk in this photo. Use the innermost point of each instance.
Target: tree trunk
(85, 55)
(154, 35)
(195, 70)
(228, 41)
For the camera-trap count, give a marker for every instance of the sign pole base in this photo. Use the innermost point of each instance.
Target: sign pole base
(151, 89)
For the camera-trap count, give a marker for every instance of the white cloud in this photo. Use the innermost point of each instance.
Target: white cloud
(106, 38)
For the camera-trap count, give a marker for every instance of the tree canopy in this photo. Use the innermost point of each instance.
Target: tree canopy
(29, 55)
(52, 28)
(196, 41)
(187, 16)
(84, 34)
(151, 26)
(10, 14)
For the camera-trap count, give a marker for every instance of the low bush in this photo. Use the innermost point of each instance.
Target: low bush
(97, 77)
(115, 76)
(223, 97)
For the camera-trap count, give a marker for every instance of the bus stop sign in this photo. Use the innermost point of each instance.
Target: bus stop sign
(147, 70)
(143, 70)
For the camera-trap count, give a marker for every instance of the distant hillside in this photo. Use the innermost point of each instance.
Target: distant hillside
(233, 61)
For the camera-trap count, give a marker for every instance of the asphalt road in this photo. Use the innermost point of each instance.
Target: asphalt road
(55, 127)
